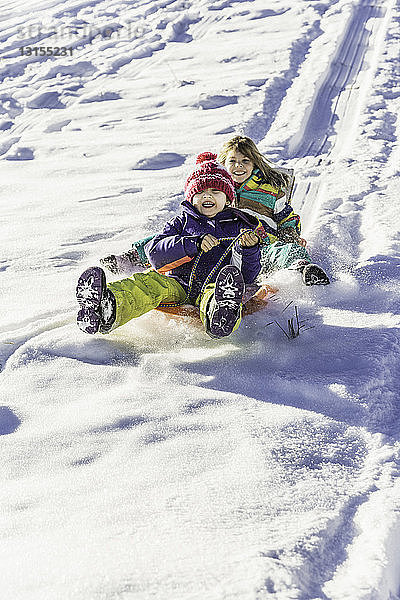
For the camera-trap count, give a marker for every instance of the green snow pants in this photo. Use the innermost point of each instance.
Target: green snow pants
(142, 292)
(280, 256)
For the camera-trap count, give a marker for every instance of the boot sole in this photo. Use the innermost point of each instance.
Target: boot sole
(89, 293)
(228, 295)
(314, 275)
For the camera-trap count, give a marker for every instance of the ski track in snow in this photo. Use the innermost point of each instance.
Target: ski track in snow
(155, 463)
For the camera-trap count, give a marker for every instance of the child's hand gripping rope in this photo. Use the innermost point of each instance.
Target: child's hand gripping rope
(208, 242)
(247, 240)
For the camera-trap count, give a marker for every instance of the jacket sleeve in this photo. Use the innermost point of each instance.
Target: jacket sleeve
(248, 261)
(171, 248)
(285, 216)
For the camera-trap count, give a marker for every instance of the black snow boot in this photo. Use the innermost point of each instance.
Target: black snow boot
(97, 303)
(314, 275)
(223, 310)
(123, 264)
(311, 274)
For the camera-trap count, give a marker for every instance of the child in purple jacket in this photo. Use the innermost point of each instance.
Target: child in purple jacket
(204, 257)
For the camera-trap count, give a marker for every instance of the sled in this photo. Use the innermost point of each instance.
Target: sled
(257, 299)
(288, 189)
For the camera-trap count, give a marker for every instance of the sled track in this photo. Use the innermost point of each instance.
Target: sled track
(334, 112)
(341, 76)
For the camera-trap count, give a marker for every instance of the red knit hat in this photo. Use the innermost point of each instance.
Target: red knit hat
(209, 174)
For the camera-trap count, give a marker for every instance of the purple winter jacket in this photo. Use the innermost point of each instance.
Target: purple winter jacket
(172, 252)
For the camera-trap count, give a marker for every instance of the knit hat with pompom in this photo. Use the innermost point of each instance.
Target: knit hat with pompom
(209, 174)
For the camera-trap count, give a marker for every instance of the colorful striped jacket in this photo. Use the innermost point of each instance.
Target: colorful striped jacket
(269, 203)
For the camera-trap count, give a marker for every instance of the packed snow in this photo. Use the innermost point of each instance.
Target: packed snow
(155, 462)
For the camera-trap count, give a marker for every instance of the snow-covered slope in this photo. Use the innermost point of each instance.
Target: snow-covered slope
(156, 462)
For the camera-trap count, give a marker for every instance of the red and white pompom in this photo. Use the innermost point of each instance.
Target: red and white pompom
(204, 156)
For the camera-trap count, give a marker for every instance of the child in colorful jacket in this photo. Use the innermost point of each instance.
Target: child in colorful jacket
(205, 257)
(258, 191)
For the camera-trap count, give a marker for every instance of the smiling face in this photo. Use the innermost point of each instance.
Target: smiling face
(209, 202)
(239, 166)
